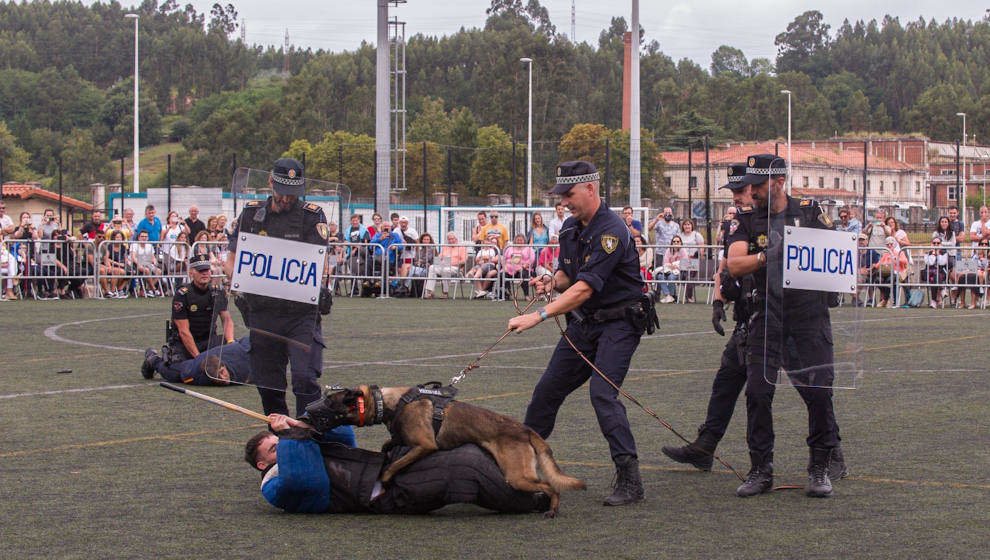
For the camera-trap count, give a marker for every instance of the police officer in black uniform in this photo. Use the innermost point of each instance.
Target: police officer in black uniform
(731, 375)
(195, 307)
(283, 331)
(789, 327)
(601, 293)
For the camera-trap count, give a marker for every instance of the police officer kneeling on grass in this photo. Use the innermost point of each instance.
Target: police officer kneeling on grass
(191, 330)
(788, 327)
(306, 472)
(601, 292)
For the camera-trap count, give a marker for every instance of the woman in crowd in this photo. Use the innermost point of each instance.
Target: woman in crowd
(518, 259)
(692, 240)
(178, 254)
(201, 243)
(538, 232)
(144, 262)
(893, 229)
(485, 266)
(376, 224)
(451, 259)
(546, 263)
(670, 270)
(975, 278)
(173, 226)
(211, 225)
(944, 231)
(936, 271)
(423, 257)
(645, 261)
(894, 264)
(222, 224)
(115, 264)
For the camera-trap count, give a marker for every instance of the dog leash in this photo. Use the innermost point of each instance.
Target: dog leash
(549, 298)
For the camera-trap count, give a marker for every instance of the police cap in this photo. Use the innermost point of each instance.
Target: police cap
(571, 173)
(736, 172)
(761, 167)
(199, 262)
(287, 177)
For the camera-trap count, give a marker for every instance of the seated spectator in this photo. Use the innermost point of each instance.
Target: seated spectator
(971, 271)
(485, 266)
(867, 258)
(645, 261)
(357, 255)
(201, 243)
(892, 265)
(116, 265)
(450, 261)
(546, 262)
(692, 240)
(129, 223)
(539, 234)
(422, 259)
(670, 270)
(518, 261)
(211, 224)
(936, 271)
(222, 224)
(947, 234)
(145, 263)
(178, 255)
(385, 239)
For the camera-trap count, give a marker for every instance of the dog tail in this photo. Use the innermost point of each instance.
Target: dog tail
(548, 466)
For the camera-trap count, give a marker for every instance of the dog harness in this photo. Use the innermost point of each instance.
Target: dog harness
(438, 394)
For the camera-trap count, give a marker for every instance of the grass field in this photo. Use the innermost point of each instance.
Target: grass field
(99, 463)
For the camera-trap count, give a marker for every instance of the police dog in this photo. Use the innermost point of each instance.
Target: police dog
(517, 449)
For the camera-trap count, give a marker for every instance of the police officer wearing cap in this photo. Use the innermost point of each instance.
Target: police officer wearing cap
(601, 294)
(283, 331)
(731, 375)
(195, 307)
(788, 328)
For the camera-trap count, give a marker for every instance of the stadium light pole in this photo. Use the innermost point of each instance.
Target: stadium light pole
(137, 176)
(790, 178)
(962, 195)
(529, 138)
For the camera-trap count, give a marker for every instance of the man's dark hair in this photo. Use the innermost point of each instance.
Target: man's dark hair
(251, 448)
(624, 208)
(393, 216)
(956, 208)
(149, 207)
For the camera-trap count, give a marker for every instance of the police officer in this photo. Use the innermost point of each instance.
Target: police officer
(219, 365)
(601, 293)
(787, 327)
(195, 306)
(731, 375)
(283, 331)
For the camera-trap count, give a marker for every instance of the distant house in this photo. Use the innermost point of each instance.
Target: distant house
(34, 199)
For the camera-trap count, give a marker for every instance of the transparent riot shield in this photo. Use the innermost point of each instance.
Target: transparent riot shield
(275, 276)
(811, 338)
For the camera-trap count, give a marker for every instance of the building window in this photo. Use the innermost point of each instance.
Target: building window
(854, 185)
(821, 182)
(881, 187)
(805, 183)
(869, 187)
(666, 181)
(947, 172)
(952, 192)
(836, 183)
(693, 182)
(893, 187)
(917, 187)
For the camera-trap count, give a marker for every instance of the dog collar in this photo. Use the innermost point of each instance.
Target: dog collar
(376, 394)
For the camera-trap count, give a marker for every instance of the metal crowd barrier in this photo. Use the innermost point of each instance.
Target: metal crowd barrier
(44, 266)
(350, 265)
(960, 272)
(406, 254)
(694, 272)
(171, 260)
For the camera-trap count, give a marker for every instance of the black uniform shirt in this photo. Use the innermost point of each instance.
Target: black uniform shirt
(198, 307)
(757, 228)
(603, 255)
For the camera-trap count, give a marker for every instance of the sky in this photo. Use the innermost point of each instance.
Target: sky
(684, 28)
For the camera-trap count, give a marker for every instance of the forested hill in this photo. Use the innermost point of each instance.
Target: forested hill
(65, 71)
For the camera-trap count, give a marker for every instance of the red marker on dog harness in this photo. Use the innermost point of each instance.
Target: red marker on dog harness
(360, 411)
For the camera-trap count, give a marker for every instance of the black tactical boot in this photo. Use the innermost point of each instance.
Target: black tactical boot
(148, 367)
(759, 479)
(698, 453)
(837, 469)
(819, 485)
(628, 484)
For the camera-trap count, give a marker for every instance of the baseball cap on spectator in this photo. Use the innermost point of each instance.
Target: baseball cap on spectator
(403, 219)
(864, 236)
(199, 262)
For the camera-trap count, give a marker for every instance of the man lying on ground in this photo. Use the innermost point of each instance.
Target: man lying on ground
(302, 474)
(219, 365)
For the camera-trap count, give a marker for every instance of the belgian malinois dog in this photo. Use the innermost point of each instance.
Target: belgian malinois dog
(517, 449)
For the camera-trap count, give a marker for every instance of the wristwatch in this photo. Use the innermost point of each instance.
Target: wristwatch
(761, 258)
(543, 313)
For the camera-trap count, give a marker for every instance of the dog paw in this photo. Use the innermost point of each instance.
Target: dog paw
(550, 514)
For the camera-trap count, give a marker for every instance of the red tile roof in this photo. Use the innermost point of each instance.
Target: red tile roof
(737, 153)
(34, 191)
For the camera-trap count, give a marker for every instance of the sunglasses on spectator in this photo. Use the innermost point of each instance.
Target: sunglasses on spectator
(936, 242)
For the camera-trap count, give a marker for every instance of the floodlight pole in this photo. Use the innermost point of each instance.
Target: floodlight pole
(790, 176)
(137, 176)
(529, 137)
(635, 192)
(962, 195)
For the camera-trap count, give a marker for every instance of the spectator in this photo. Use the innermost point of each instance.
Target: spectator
(357, 255)
(666, 228)
(90, 229)
(692, 240)
(129, 224)
(211, 224)
(479, 231)
(409, 236)
(193, 223)
(957, 225)
(6, 223)
(874, 229)
(178, 254)
(848, 221)
(117, 224)
(518, 261)
(115, 264)
(558, 220)
(222, 224)
(174, 227)
(145, 263)
(49, 224)
(670, 271)
(376, 220)
(8, 261)
(422, 260)
(635, 226)
(201, 243)
(645, 261)
(539, 234)
(385, 239)
(497, 228)
(730, 214)
(867, 258)
(395, 221)
(150, 223)
(971, 271)
(485, 266)
(25, 235)
(546, 263)
(936, 270)
(66, 263)
(980, 229)
(893, 264)
(944, 233)
(452, 257)
(893, 229)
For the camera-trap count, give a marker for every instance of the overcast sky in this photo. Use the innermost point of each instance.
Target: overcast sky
(685, 28)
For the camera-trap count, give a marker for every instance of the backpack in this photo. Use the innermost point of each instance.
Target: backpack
(915, 298)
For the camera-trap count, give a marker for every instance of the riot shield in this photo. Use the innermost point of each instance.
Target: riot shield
(276, 273)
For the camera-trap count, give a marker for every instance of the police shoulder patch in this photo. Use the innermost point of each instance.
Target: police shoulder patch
(312, 207)
(193, 307)
(806, 202)
(733, 226)
(610, 243)
(745, 209)
(177, 305)
(254, 204)
(323, 230)
(823, 218)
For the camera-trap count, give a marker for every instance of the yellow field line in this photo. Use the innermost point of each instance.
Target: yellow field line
(919, 343)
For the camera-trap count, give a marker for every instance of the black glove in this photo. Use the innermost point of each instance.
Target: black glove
(718, 315)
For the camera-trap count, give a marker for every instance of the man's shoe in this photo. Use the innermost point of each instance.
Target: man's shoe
(628, 484)
(837, 469)
(699, 454)
(759, 479)
(148, 367)
(819, 485)
(541, 502)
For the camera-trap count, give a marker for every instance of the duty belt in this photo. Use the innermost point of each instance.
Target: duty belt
(606, 314)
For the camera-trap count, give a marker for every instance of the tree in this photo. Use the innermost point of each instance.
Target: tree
(731, 61)
(13, 156)
(491, 167)
(804, 46)
(83, 161)
(587, 142)
(356, 151)
(223, 19)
